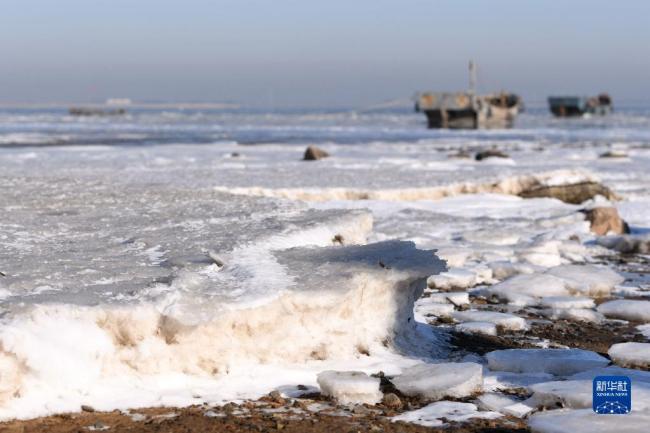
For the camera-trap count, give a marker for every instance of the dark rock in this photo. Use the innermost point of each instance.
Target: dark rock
(606, 220)
(392, 401)
(490, 153)
(276, 397)
(86, 408)
(573, 193)
(461, 154)
(614, 154)
(313, 153)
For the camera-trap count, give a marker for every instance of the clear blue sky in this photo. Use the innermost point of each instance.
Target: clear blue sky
(325, 53)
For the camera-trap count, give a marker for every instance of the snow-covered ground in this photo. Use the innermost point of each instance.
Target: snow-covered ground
(190, 266)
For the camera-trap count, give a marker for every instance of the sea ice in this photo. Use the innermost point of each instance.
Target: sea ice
(485, 328)
(503, 320)
(626, 309)
(285, 293)
(455, 278)
(430, 307)
(494, 401)
(454, 256)
(503, 380)
(437, 381)
(502, 269)
(560, 362)
(577, 394)
(644, 330)
(456, 298)
(589, 280)
(350, 387)
(432, 415)
(575, 314)
(613, 370)
(503, 404)
(630, 354)
(567, 302)
(525, 289)
(586, 421)
(544, 254)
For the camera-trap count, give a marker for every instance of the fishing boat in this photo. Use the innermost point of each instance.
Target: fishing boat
(467, 110)
(574, 106)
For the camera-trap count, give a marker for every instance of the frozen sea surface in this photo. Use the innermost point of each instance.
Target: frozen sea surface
(191, 257)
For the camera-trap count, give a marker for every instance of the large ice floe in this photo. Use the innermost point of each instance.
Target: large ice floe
(561, 362)
(127, 297)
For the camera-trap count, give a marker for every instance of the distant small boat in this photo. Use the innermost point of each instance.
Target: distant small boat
(91, 111)
(466, 110)
(573, 106)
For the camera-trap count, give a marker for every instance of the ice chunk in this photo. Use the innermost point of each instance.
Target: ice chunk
(524, 289)
(577, 394)
(432, 414)
(626, 309)
(350, 387)
(503, 404)
(429, 307)
(545, 254)
(567, 302)
(555, 361)
(437, 381)
(502, 269)
(577, 314)
(454, 256)
(456, 298)
(501, 380)
(630, 354)
(518, 410)
(613, 370)
(455, 278)
(644, 330)
(503, 320)
(494, 401)
(588, 280)
(586, 421)
(485, 328)
(492, 237)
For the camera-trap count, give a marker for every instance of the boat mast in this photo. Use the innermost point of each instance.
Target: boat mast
(472, 77)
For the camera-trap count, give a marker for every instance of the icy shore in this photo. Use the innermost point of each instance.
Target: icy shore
(204, 274)
(103, 310)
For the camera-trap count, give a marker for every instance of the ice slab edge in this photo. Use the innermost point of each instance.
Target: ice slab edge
(346, 302)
